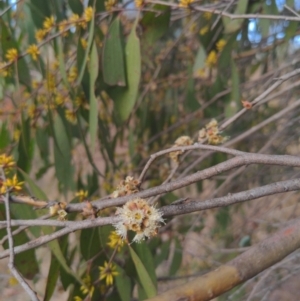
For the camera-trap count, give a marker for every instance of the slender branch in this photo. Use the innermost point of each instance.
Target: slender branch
(78, 225)
(241, 16)
(246, 159)
(278, 82)
(186, 148)
(11, 262)
(193, 205)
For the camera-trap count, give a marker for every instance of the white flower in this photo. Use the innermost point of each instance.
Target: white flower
(138, 216)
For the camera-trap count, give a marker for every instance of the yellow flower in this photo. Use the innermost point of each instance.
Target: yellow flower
(116, 241)
(83, 43)
(40, 34)
(88, 14)
(220, 45)
(62, 27)
(211, 59)
(31, 111)
(109, 4)
(33, 50)
(11, 184)
(185, 3)
(48, 23)
(11, 55)
(16, 135)
(13, 281)
(204, 30)
(207, 15)
(107, 272)
(73, 73)
(71, 116)
(138, 3)
(87, 288)
(6, 161)
(3, 69)
(49, 82)
(81, 194)
(77, 298)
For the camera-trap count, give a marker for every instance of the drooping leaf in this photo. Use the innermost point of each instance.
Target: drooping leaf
(155, 24)
(177, 258)
(235, 102)
(87, 50)
(8, 42)
(93, 112)
(39, 12)
(123, 284)
(52, 278)
(125, 98)
(143, 274)
(113, 56)
(62, 155)
(232, 25)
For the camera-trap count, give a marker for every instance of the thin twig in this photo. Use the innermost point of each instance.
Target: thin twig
(11, 262)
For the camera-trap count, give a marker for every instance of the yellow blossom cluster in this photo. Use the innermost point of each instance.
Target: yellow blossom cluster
(81, 194)
(10, 185)
(87, 288)
(211, 59)
(181, 141)
(11, 55)
(33, 50)
(115, 241)
(126, 187)
(64, 25)
(109, 4)
(139, 3)
(211, 133)
(108, 272)
(6, 162)
(185, 3)
(138, 216)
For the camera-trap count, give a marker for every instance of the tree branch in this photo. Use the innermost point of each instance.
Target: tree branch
(243, 267)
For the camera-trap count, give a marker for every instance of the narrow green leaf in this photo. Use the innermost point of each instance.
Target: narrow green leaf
(62, 67)
(90, 244)
(155, 24)
(113, 56)
(123, 285)
(93, 112)
(4, 136)
(25, 262)
(39, 12)
(76, 6)
(7, 42)
(232, 25)
(52, 278)
(177, 258)
(35, 190)
(143, 275)
(234, 103)
(200, 59)
(62, 155)
(125, 98)
(87, 51)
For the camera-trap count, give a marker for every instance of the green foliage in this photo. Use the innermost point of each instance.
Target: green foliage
(107, 89)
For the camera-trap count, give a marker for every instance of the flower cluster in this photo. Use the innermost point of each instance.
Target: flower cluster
(115, 241)
(108, 272)
(185, 3)
(10, 185)
(109, 4)
(126, 187)
(211, 133)
(139, 3)
(138, 216)
(181, 141)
